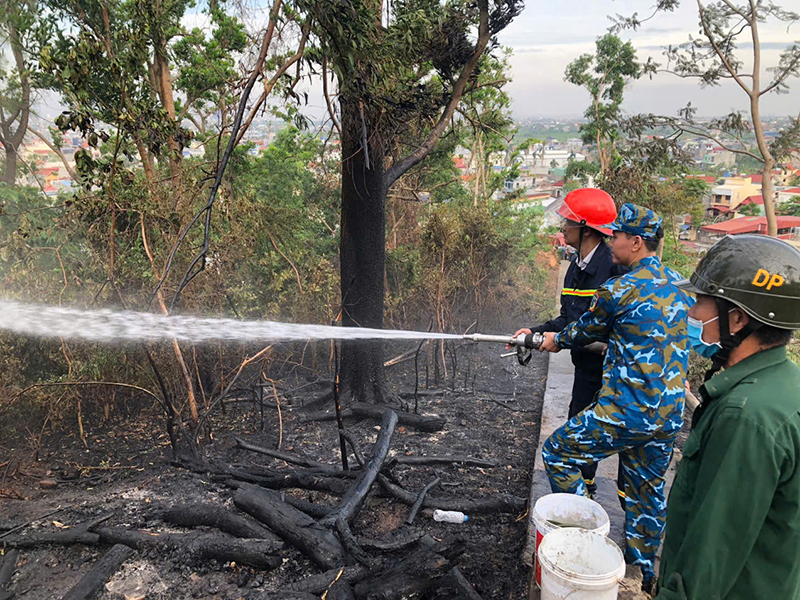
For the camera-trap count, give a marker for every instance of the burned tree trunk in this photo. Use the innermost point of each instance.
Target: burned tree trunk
(362, 250)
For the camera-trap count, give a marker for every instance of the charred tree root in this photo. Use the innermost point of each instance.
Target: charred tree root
(354, 498)
(294, 526)
(6, 573)
(91, 583)
(193, 515)
(254, 553)
(499, 503)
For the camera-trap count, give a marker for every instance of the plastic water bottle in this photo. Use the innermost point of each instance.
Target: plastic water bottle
(449, 516)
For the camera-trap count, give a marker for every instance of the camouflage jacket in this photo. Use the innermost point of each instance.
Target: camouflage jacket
(643, 316)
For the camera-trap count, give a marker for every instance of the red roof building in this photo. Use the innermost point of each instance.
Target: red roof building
(755, 178)
(752, 225)
(752, 200)
(706, 178)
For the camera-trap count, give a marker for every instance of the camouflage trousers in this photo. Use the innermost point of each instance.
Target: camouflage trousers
(644, 458)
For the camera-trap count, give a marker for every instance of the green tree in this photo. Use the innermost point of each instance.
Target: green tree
(604, 74)
(790, 207)
(749, 210)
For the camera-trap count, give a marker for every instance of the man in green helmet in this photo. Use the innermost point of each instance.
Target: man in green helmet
(733, 515)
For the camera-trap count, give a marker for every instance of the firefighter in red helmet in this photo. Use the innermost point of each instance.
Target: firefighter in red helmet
(585, 214)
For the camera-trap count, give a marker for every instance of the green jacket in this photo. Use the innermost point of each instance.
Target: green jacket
(733, 515)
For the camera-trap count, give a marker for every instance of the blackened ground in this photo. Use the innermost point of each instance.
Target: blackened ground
(494, 413)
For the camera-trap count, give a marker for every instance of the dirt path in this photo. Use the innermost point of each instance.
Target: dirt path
(495, 418)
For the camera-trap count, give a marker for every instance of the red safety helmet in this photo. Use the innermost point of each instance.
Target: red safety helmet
(591, 207)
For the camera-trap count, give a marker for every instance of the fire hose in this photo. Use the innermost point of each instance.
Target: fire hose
(524, 344)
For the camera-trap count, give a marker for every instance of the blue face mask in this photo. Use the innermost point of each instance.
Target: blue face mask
(695, 332)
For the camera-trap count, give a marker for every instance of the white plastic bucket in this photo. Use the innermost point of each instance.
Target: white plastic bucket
(580, 565)
(555, 511)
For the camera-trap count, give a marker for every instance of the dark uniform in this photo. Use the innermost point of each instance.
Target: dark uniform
(579, 288)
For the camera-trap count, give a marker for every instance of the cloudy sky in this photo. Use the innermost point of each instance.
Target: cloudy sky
(549, 34)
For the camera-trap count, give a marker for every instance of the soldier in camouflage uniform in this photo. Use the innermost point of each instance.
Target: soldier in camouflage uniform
(639, 410)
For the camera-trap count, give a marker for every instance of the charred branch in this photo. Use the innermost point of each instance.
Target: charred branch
(95, 579)
(352, 501)
(499, 503)
(393, 544)
(412, 514)
(466, 461)
(284, 456)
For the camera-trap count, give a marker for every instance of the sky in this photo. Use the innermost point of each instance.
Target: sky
(549, 34)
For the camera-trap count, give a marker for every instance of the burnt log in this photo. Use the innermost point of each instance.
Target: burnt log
(306, 481)
(70, 536)
(294, 526)
(428, 424)
(355, 496)
(317, 584)
(498, 503)
(194, 515)
(91, 583)
(7, 572)
(205, 546)
(416, 573)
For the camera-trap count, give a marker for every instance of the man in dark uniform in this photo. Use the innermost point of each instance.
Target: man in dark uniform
(586, 212)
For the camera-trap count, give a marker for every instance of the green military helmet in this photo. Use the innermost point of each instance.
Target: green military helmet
(757, 273)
